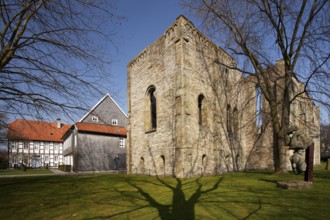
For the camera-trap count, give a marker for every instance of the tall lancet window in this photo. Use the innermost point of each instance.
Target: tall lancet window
(151, 109)
(200, 109)
(258, 107)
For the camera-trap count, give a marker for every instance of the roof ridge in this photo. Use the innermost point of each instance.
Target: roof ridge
(36, 121)
(89, 123)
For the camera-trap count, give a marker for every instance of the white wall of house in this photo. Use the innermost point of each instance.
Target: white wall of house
(68, 160)
(35, 153)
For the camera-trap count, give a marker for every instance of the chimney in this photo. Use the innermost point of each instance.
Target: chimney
(58, 123)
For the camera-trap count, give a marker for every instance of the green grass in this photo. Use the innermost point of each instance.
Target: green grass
(231, 196)
(22, 172)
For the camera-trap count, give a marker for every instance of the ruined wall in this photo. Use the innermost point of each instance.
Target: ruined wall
(303, 114)
(204, 109)
(190, 82)
(150, 150)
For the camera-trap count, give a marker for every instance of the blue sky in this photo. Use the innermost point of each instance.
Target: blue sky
(146, 21)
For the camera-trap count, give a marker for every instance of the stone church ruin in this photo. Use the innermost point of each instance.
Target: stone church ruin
(191, 113)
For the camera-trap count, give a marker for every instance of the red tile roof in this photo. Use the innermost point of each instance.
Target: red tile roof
(103, 129)
(30, 130)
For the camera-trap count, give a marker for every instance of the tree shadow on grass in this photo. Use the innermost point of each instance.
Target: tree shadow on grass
(179, 208)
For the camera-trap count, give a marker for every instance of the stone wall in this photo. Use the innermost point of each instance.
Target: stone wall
(206, 110)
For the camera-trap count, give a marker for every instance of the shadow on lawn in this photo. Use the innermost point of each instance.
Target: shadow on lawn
(180, 208)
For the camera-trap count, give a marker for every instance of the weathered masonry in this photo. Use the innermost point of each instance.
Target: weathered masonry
(190, 112)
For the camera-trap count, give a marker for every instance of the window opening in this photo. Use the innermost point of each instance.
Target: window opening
(235, 121)
(229, 121)
(142, 168)
(121, 142)
(162, 164)
(95, 119)
(153, 108)
(200, 109)
(114, 121)
(204, 159)
(26, 145)
(13, 145)
(36, 146)
(56, 147)
(258, 107)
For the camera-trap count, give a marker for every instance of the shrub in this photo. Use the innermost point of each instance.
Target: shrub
(65, 168)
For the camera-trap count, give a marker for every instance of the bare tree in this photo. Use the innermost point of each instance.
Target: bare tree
(260, 32)
(53, 54)
(3, 132)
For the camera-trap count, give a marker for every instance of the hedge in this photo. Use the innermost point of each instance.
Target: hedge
(65, 168)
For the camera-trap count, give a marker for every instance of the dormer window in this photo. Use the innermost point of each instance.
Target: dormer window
(114, 121)
(95, 119)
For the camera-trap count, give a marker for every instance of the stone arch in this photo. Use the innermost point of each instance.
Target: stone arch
(162, 164)
(142, 165)
(204, 163)
(204, 159)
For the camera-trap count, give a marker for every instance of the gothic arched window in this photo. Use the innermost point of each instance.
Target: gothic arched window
(258, 107)
(151, 109)
(200, 109)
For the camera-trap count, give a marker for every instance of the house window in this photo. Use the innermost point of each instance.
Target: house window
(56, 158)
(56, 146)
(46, 146)
(95, 119)
(26, 145)
(36, 145)
(46, 159)
(13, 145)
(121, 142)
(114, 121)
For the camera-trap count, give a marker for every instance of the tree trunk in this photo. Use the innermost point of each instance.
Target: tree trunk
(280, 125)
(285, 119)
(276, 152)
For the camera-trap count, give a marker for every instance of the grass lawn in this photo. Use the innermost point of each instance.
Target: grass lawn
(108, 196)
(22, 172)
